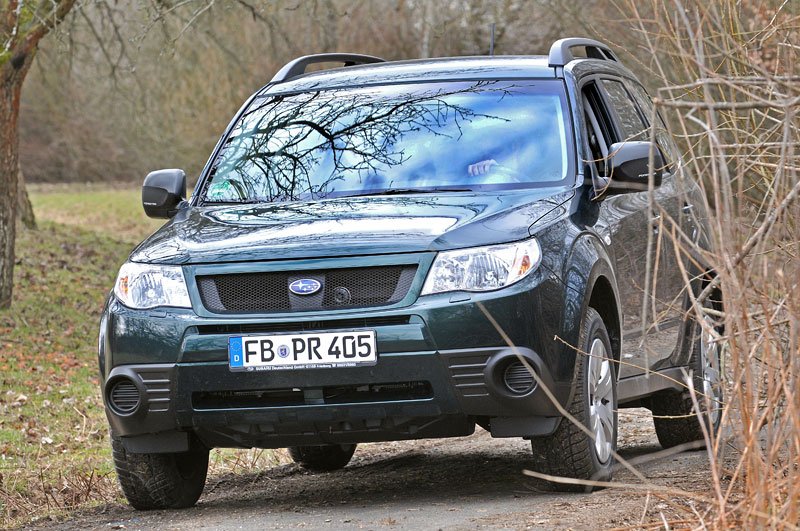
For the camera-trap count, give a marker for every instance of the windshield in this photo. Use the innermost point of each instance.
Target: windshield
(479, 135)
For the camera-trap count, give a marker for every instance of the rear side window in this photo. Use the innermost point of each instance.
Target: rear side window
(630, 122)
(663, 138)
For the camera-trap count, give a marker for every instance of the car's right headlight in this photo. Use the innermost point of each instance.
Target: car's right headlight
(482, 268)
(142, 286)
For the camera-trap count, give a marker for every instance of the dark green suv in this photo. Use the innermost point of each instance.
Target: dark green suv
(403, 250)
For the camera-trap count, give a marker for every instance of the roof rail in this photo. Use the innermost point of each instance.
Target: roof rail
(561, 51)
(298, 66)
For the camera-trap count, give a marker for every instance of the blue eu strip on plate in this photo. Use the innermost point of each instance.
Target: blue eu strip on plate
(235, 354)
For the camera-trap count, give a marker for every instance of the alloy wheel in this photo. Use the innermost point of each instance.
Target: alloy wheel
(601, 400)
(712, 375)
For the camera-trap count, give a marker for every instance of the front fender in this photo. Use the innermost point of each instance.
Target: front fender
(587, 264)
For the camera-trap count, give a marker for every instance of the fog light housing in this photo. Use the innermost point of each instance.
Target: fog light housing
(124, 397)
(518, 378)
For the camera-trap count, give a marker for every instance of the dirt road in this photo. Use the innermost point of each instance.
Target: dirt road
(466, 483)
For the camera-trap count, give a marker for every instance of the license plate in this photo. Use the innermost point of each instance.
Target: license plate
(302, 351)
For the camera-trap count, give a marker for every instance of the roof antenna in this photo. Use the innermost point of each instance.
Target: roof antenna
(491, 43)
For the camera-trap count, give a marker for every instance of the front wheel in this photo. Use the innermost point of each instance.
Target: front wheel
(572, 452)
(160, 481)
(322, 458)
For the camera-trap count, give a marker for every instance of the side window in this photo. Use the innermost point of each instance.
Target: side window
(599, 130)
(664, 139)
(631, 125)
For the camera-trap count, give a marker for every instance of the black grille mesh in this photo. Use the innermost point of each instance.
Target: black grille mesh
(269, 291)
(341, 394)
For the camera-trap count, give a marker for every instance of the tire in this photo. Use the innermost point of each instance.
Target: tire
(160, 481)
(322, 458)
(569, 451)
(705, 366)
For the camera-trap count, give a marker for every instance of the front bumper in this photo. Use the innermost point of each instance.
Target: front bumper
(440, 370)
(405, 396)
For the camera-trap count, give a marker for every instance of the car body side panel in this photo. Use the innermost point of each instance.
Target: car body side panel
(584, 258)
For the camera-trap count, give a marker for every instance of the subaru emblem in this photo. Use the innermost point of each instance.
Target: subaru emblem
(305, 286)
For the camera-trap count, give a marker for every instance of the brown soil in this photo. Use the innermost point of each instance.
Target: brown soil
(465, 483)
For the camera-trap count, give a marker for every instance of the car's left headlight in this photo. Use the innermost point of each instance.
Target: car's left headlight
(143, 286)
(482, 268)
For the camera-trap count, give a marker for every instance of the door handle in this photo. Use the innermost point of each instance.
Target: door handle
(655, 223)
(687, 209)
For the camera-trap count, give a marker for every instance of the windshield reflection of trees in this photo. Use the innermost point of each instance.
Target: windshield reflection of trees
(282, 147)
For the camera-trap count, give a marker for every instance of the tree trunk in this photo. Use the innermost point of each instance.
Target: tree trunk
(25, 212)
(22, 26)
(12, 74)
(329, 24)
(427, 23)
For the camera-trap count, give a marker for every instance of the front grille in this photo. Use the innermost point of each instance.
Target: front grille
(268, 292)
(339, 394)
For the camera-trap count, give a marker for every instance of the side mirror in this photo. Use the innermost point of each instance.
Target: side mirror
(163, 192)
(629, 167)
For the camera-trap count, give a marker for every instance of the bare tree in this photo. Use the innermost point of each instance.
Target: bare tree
(22, 26)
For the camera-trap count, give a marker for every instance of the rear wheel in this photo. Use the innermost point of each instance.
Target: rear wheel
(675, 418)
(322, 458)
(571, 452)
(160, 481)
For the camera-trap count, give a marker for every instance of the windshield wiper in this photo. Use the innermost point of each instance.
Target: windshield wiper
(207, 202)
(403, 191)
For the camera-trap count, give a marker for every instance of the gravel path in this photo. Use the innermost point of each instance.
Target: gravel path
(465, 483)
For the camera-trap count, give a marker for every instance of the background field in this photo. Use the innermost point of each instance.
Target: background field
(54, 448)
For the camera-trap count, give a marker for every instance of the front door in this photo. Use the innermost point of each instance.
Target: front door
(636, 226)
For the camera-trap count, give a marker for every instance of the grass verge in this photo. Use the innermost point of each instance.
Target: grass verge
(53, 437)
(54, 449)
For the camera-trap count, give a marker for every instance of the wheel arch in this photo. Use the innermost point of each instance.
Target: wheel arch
(603, 299)
(701, 278)
(716, 296)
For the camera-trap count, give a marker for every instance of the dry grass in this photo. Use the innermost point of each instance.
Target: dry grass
(738, 116)
(736, 110)
(729, 91)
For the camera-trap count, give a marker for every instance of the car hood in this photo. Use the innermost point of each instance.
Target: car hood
(350, 226)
